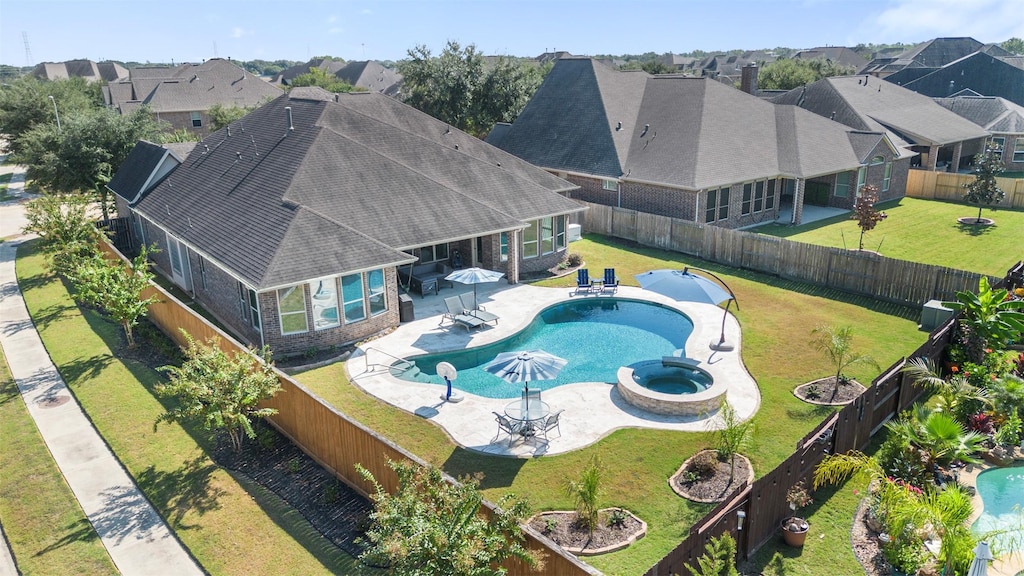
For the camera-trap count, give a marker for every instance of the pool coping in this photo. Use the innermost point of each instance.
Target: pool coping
(470, 423)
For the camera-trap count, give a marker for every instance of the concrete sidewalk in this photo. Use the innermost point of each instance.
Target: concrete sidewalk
(134, 534)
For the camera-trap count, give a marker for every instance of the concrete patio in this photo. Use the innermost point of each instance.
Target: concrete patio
(592, 410)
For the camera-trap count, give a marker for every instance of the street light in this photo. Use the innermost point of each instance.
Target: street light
(55, 113)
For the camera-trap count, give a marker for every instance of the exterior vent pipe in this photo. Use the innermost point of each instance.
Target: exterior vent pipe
(288, 111)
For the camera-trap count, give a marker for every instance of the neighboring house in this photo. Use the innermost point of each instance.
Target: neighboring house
(930, 55)
(839, 55)
(91, 71)
(372, 76)
(1003, 120)
(912, 121)
(980, 72)
(328, 65)
(183, 95)
(676, 61)
(692, 148)
(294, 233)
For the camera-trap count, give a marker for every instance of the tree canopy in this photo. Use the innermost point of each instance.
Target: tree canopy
(323, 79)
(985, 190)
(789, 73)
(25, 104)
(1015, 45)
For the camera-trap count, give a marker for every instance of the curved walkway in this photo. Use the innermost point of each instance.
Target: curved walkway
(592, 410)
(134, 534)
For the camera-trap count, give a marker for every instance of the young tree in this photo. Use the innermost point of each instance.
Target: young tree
(115, 288)
(63, 223)
(221, 116)
(732, 436)
(719, 558)
(865, 213)
(585, 494)
(433, 527)
(837, 345)
(985, 189)
(788, 73)
(222, 391)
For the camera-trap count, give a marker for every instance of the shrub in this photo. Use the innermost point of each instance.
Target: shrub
(907, 556)
(574, 260)
(585, 494)
(617, 518)
(703, 464)
(901, 461)
(1009, 433)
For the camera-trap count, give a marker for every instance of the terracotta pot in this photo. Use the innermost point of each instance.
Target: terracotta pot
(794, 531)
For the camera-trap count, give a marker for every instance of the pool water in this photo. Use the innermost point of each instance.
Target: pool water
(657, 377)
(1002, 491)
(596, 337)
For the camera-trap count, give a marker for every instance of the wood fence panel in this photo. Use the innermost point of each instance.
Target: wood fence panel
(761, 253)
(624, 223)
(687, 237)
(654, 230)
(949, 187)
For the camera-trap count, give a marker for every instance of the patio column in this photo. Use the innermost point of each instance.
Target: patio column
(933, 158)
(798, 202)
(957, 150)
(512, 264)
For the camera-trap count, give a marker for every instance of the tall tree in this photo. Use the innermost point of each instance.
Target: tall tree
(1015, 45)
(25, 103)
(221, 116)
(506, 88)
(323, 79)
(65, 227)
(789, 73)
(985, 190)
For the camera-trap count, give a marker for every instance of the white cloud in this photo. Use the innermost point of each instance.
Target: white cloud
(917, 20)
(238, 32)
(332, 19)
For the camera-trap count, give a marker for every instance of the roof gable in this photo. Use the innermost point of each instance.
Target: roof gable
(980, 72)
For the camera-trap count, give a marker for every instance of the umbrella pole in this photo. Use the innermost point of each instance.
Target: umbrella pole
(721, 345)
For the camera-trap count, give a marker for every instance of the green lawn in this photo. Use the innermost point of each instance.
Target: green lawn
(777, 317)
(923, 231)
(46, 528)
(228, 526)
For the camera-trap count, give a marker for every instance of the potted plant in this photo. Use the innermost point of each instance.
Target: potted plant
(794, 528)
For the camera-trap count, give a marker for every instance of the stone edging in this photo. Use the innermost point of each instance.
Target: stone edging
(675, 486)
(822, 403)
(597, 551)
(972, 221)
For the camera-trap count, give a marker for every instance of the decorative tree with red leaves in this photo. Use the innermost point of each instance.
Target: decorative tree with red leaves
(865, 213)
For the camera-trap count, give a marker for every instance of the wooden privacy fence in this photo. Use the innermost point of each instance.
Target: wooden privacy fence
(327, 435)
(950, 187)
(863, 273)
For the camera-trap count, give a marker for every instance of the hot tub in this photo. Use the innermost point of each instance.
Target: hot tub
(672, 386)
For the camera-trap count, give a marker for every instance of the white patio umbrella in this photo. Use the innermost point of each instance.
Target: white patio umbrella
(474, 276)
(686, 286)
(516, 367)
(982, 556)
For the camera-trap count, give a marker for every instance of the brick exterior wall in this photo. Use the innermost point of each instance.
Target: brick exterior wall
(183, 121)
(1008, 143)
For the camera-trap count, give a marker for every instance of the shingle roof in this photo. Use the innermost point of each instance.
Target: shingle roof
(868, 103)
(981, 72)
(837, 54)
(91, 71)
(997, 115)
(371, 75)
(356, 181)
(136, 169)
(685, 132)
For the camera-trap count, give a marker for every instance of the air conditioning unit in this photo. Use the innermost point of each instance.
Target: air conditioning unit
(575, 232)
(933, 314)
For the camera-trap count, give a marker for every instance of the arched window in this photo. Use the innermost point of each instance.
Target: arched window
(877, 160)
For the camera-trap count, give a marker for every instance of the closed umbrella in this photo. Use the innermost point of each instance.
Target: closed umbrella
(982, 555)
(474, 276)
(686, 286)
(516, 367)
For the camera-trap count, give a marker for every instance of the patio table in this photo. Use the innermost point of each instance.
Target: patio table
(527, 414)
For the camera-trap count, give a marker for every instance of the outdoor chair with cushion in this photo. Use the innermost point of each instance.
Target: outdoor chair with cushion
(583, 283)
(507, 426)
(457, 314)
(551, 422)
(611, 281)
(468, 300)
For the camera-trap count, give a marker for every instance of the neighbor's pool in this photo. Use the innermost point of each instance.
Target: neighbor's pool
(1001, 490)
(596, 336)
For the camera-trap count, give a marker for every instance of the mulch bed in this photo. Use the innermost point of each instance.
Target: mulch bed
(716, 486)
(568, 533)
(865, 543)
(826, 392)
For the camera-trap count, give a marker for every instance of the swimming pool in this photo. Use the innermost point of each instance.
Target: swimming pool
(1001, 489)
(596, 336)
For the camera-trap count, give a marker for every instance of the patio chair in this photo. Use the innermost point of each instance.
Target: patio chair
(457, 314)
(531, 398)
(551, 422)
(583, 283)
(468, 300)
(611, 281)
(507, 426)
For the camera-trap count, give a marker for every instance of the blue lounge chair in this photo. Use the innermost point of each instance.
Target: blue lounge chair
(611, 281)
(583, 283)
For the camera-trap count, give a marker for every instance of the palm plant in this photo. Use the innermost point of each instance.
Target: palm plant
(585, 493)
(837, 345)
(955, 396)
(939, 437)
(989, 314)
(733, 436)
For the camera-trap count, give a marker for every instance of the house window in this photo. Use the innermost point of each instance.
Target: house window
(718, 203)
(609, 185)
(998, 142)
(560, 232)
(769, 196)
(436, 253)
(243, 302)
(197, 120)
(747, 193)
(377, 298)
(862, 178)
(1018, 150)
(877, 161)
(759, 197)
(352, 298)
(202, 272)
(254, 309)
(723, 204)
(503, 247)
(291, 306)
(324, 294)
(843, 185)
(712, 204)
(887, 177)
(530, 243)
(547, 235)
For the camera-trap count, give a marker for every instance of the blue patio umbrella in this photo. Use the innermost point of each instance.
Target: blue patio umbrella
(516, 367)
(982, 556)
(686, 286)
(474, 276)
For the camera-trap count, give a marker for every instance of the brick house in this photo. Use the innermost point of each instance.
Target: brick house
(292, 226)
(183, 95)
(1003, 120)
(693, 148)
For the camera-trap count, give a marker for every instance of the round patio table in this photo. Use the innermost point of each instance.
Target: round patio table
(528, 415)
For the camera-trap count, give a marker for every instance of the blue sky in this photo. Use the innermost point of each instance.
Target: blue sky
(189, 30)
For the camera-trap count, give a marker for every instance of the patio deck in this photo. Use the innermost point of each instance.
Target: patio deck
(592, 410)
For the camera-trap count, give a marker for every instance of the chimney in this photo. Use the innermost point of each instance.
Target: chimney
(748, 80)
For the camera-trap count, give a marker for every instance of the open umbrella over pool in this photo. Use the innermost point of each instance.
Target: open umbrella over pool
(474, 276)
(686, 286)
(516, 367)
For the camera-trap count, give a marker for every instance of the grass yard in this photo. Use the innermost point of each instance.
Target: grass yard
(924, 231)
(228, 526)
(777, 317)
(46, 528)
